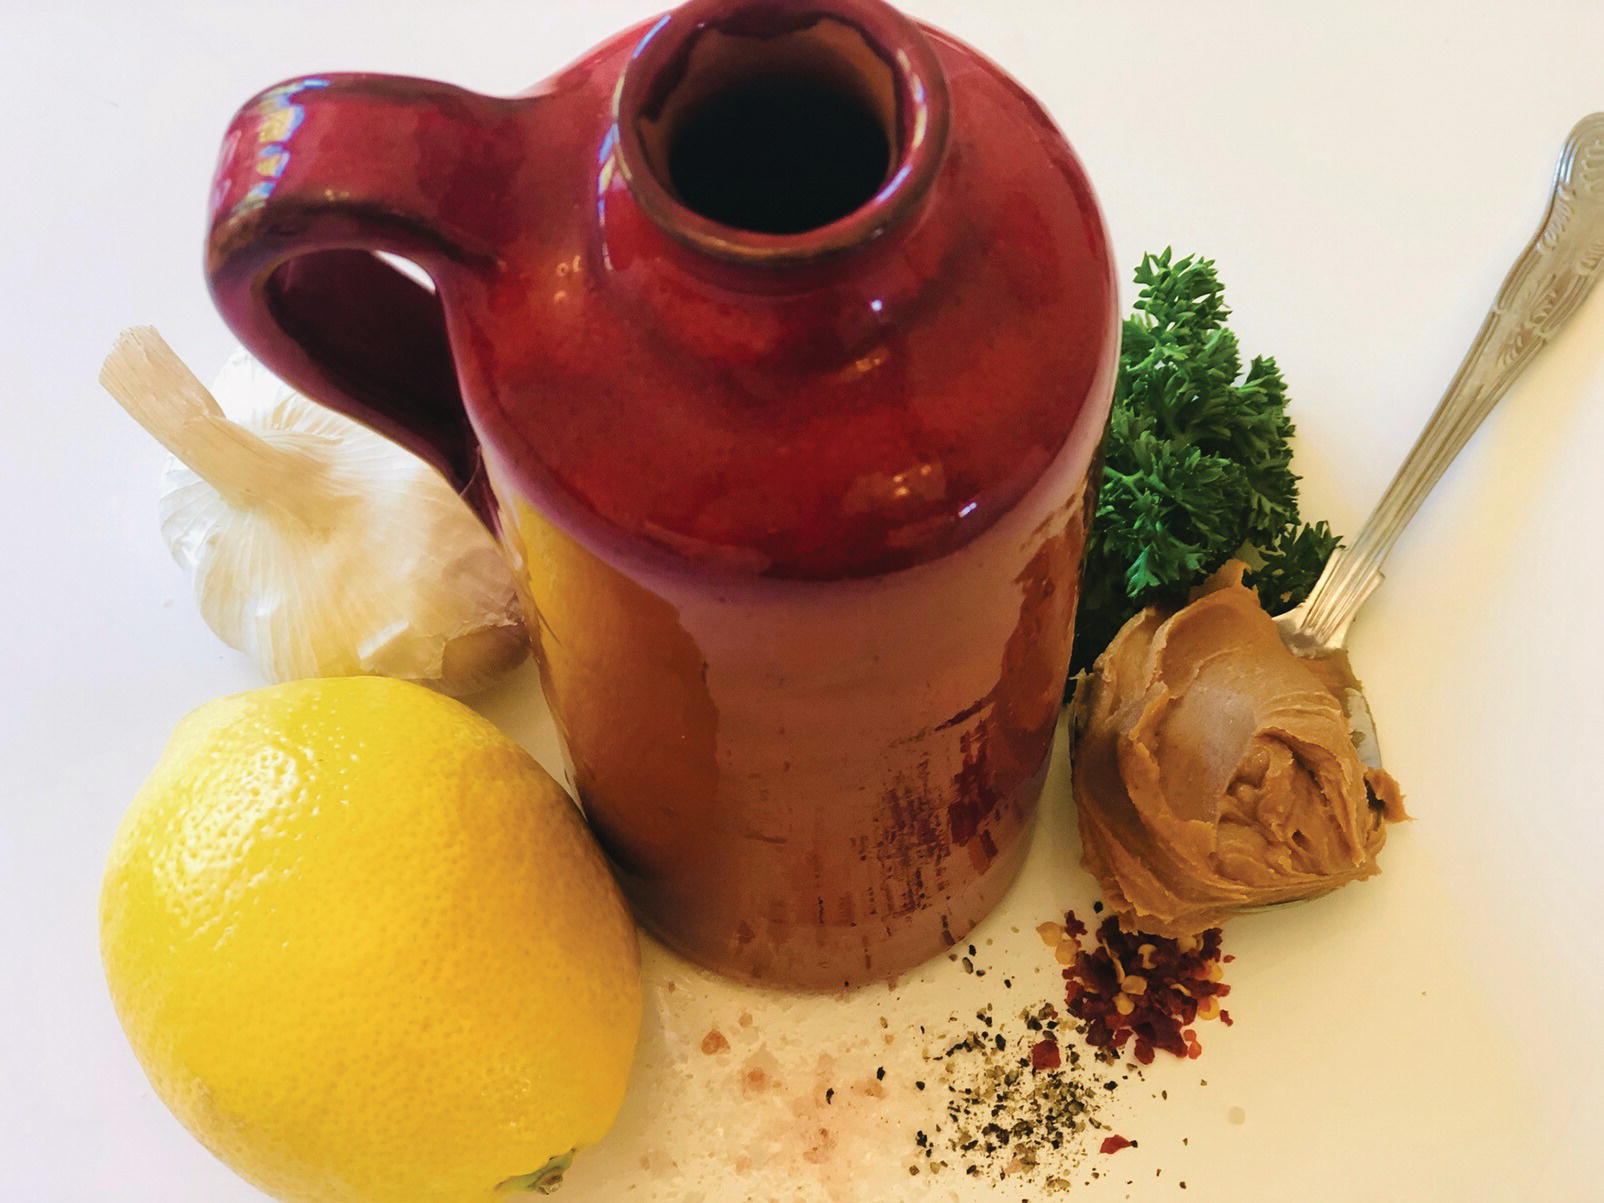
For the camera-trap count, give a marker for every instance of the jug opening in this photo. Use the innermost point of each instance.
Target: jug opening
(776, 135)
(771, 132)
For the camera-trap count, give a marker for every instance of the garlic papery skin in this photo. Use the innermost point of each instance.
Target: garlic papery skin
(317, 547)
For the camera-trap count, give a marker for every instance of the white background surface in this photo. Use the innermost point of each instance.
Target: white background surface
(1363, 173)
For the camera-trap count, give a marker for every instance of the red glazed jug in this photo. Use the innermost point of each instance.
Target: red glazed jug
(775, 340)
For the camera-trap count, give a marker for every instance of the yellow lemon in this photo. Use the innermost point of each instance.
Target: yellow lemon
(367, 951)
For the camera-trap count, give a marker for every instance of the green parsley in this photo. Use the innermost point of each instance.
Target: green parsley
(1197, 464)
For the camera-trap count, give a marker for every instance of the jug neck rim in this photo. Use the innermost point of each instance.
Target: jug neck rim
(919, 133)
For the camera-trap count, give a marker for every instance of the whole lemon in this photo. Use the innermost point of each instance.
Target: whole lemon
(366, 949)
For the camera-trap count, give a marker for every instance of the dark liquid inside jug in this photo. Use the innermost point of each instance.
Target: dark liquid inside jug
(778, 155)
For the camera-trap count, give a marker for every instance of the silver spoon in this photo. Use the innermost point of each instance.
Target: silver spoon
(1545, 287)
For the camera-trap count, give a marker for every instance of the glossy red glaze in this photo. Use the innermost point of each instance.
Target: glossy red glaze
(799, 516)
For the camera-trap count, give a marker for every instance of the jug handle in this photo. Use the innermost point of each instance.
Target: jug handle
(317, 174)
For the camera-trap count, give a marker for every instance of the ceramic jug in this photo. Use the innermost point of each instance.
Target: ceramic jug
(774, 339)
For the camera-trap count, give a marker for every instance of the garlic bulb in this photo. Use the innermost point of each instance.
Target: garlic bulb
(317, 546)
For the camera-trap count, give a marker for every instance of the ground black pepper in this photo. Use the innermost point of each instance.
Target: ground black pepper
(1011, 1109)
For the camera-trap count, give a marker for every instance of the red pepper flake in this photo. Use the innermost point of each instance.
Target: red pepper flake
(1178, 985)
(1113, 1144)
(714, 1042)
(1044, 1054)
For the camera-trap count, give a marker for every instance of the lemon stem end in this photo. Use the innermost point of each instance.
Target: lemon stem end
(543, 1181)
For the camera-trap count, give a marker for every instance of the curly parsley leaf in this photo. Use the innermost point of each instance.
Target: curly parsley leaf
(1289, 566)
(1197, 464)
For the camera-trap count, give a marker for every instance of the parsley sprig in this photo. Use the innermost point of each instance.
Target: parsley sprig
(1197, 463)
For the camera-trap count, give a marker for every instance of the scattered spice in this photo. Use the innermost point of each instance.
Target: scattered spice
(1015, 1101)
(1113, 1144)
(1142, 990)
(714, 1042)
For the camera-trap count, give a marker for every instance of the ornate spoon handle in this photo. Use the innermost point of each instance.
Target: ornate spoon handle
(1544, 288)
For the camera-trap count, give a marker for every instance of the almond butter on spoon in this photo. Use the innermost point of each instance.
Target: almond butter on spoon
(1214, 771)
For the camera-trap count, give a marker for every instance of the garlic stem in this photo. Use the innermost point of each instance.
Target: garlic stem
(151, 382)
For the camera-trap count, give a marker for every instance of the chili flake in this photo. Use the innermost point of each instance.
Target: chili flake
(1141, 990)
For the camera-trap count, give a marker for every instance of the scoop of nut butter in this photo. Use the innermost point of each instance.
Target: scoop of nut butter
(1214, 771)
